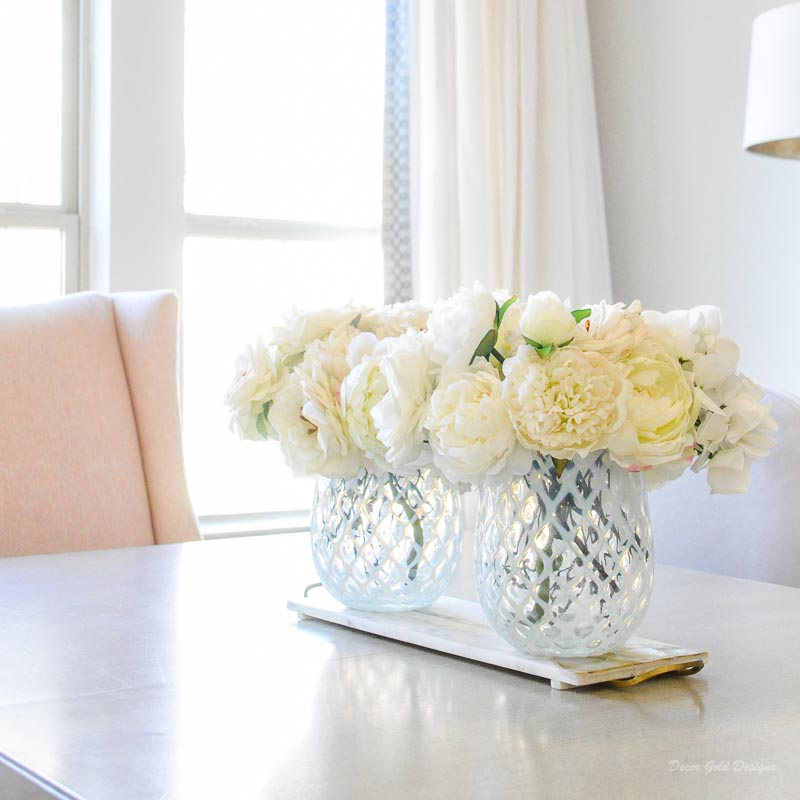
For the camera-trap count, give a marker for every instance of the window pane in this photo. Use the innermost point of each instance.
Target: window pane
(284, 109)
(30, 99)
(31, 265)
(234, 290)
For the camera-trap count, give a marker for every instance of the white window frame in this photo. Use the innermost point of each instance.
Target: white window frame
(133, 221)
(267, 229)
(64, 216)
(201, 225)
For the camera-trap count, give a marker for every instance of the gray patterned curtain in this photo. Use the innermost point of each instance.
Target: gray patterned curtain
(396, 196)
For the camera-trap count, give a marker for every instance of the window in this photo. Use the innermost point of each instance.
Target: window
(38, 149)
(284, 128)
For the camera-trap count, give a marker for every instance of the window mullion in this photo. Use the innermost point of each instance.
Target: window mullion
(254, 228)
(268, 522)
(22, 216)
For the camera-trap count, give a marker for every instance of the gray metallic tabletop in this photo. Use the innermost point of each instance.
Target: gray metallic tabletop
(177, 672)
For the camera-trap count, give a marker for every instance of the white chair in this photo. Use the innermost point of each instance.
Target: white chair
(754, 535)
(90, 442)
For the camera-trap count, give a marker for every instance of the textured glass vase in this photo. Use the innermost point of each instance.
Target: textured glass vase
(386, 542)
(564, 564)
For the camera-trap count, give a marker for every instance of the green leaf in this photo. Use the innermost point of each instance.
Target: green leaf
(543, 349)
(485, 347)
(501, 311)
(356, 319)
(580, 314)
(293, 360)
(496, 315)
(261, 419)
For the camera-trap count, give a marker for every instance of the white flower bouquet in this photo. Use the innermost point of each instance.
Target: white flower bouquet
(477, 386)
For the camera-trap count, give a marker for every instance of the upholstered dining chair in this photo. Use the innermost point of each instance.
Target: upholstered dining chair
(90, 443)
(754, 535)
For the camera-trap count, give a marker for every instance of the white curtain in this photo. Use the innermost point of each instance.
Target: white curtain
(506, 186)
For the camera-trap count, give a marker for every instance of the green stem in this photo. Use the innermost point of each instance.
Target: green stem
(415, 556)
(500, 360)
(543, 591)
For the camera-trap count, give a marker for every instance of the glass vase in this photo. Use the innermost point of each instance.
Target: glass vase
(564, 560)
(384, 542)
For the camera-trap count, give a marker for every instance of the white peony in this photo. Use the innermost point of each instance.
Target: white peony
(546, 320)
(361, 390)
(410, 376)
(706, 320)
(361, 347)
(684, 331)
(310, 424)
(258, 379)
(470, 431)
(662, 410)
(297, 436)
(566, 404)
(300, 328)
(612, 330)
(458, 325)
(395, 319)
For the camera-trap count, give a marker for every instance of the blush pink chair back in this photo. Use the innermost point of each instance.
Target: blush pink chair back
(90, 442)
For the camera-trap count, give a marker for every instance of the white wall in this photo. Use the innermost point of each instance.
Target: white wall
(692, 217)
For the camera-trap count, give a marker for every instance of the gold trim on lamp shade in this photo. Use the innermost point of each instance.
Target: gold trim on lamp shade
(782, 148)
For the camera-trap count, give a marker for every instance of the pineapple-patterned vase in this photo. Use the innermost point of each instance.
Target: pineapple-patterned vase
(564, 562)
(386, 542)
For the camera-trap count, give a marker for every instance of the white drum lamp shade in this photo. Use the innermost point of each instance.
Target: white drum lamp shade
(772, 122)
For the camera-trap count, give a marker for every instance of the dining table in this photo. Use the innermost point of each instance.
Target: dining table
(176, 672)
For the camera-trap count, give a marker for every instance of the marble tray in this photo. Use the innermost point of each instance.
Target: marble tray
(457, 627)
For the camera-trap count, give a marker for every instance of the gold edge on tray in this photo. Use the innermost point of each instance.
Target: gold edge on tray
(685, 669)
(633, 668)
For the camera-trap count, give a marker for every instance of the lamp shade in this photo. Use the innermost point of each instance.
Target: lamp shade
(772, 122)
